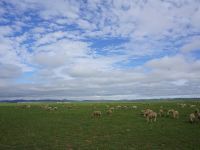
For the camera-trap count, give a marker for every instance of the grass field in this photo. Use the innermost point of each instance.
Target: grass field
(73, 128)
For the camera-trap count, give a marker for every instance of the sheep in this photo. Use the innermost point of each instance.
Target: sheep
(45, 107)
(192, 106)
(49, 108)
(28, 106)
(97, 114)
(134, 107)
(147, 111)
(125, 107)
(175, 114)
(55, 108)
(183, 105)
(170, 112)
(161, 112)
(119, 106)
(112, 108)
(109, 112)
(151, 115)
(192, 118)
(24, 106)
(197, 114)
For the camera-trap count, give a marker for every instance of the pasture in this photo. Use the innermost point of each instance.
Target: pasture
(72, 127)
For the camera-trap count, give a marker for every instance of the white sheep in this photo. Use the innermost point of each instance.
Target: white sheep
(118, 107)
(151, 116)
(109, 112)
(192, 117)
(125, 107)
(161, 112)
(183, 105)
(28, 106)
(112, 108)
(45, 107)
(197, 114)
(192, 106)
(134, 107)
(175, 114)
(170, 112)
(147, 111)
(55, 108)
(97, 114)
(49, 108)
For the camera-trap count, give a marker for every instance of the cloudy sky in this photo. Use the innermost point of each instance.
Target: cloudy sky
(99, 49)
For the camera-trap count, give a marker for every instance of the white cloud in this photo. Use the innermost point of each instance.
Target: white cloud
(193, 45)
(60, 53)
(180, 82)
(9, 71)
(62, 43)
(59, 8)
(196, 18)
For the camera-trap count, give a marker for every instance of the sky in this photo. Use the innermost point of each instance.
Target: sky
(99, 49)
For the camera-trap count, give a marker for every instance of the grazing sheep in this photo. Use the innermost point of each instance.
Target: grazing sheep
(147, 111)
(151, 116)
(170, 112)
(161, 112)
(175, 114)
(112, 108)
(183, 105)
(96, 114)
(125, 107)
(28, 106)
(134, 107)
(192, 106)
(24, 106)
(118, 107)
(55, 108)
(109, 112)
(197, 114)
(192, 118)
(49, 108)
(45, 107)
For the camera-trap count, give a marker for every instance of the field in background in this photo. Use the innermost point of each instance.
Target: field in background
(71, 127)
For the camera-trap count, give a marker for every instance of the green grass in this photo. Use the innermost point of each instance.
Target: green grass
(73, 128)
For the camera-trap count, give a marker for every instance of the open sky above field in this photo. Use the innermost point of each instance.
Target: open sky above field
(99, 49)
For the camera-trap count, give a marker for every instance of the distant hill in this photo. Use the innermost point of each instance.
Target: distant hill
(44, 100)
(122, 100)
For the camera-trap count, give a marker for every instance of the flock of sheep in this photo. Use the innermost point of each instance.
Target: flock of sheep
(151, 115)
(50, 108)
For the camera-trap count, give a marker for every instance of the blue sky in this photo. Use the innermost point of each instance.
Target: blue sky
(99, 49)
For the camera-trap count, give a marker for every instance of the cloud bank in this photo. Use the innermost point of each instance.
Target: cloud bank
(99, 49)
